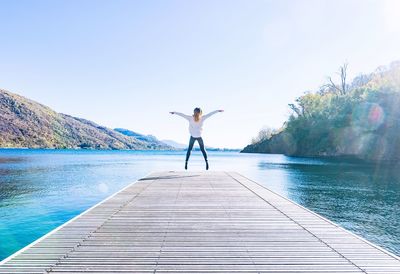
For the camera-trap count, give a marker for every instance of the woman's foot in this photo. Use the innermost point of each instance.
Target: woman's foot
(186, 165)
(207, 165)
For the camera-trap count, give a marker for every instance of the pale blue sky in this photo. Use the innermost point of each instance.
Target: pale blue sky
(127, 63)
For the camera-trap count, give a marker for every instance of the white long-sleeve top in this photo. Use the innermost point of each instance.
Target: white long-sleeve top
(196, 128)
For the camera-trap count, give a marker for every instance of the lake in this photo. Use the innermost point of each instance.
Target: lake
(42, 189)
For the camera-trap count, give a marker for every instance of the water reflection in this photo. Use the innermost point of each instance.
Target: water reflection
(5, 160)
(43, 189)
(15, 182)
(363, 198)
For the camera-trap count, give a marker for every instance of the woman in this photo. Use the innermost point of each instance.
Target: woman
(195, 128)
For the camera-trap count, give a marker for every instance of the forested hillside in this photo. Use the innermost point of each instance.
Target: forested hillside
(360, 119)
(26, 123)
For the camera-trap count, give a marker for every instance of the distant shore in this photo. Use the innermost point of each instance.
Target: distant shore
(334, 158)
(109, 149)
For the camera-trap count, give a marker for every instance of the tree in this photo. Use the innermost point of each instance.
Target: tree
(264, 134)
(295, 109)
(341, 88)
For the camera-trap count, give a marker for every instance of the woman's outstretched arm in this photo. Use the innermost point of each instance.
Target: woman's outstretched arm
(187, 117)
(212, 113)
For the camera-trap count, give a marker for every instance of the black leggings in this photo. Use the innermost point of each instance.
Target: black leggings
(201, 144)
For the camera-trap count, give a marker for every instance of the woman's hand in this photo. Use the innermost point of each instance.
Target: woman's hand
(172, 112)
(221, 110)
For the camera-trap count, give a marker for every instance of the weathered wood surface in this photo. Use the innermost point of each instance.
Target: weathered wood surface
(191, 222)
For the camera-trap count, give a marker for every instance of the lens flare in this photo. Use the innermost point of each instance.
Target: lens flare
(289, 144)
(368, 116)
(103, 188)
(348, 141)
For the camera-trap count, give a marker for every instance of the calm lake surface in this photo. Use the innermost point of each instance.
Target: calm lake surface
(42, 189)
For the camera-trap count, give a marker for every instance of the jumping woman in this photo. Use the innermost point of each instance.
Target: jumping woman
(195, 129)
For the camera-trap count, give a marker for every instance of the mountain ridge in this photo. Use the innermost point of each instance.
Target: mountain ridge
(26, 123)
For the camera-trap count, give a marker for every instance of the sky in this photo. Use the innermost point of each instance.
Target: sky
(128, 63)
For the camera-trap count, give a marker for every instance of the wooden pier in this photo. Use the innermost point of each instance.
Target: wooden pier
(199, 222)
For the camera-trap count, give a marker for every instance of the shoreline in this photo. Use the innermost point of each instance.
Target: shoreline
(347, 158)
(97, 149)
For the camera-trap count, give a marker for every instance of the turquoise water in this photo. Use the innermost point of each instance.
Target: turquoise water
(42, 189)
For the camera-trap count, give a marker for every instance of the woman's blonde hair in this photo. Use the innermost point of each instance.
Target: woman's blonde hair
(197, 112)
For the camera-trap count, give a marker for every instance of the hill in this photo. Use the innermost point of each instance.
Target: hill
(26, 123)
(174, 144)
(360, 120)
(150, 139)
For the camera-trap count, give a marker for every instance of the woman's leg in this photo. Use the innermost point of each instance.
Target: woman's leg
(203, 150)
(189, 149)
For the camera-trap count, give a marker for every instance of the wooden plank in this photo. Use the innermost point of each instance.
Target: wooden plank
(200, 222)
